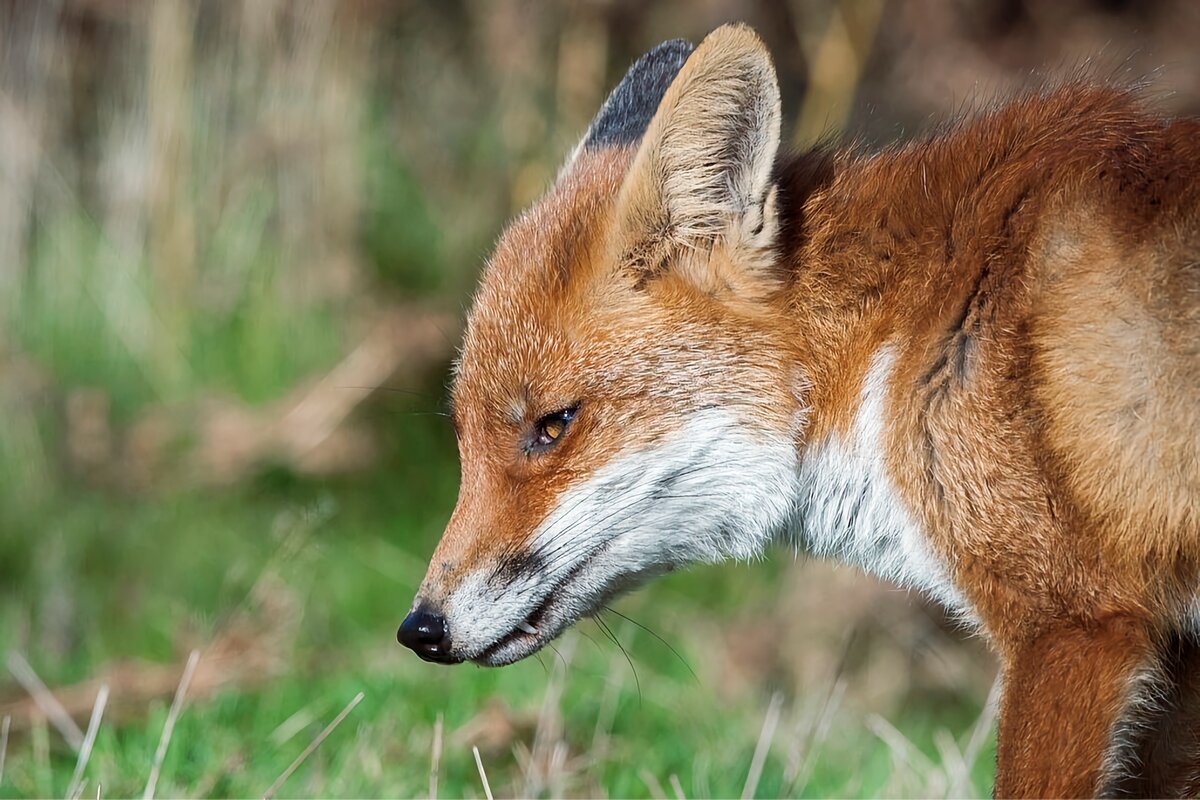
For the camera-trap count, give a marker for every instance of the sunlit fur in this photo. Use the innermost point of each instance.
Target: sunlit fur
(969, 364)
(849, 508)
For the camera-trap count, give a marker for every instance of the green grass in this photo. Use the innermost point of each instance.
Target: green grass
(320, 573)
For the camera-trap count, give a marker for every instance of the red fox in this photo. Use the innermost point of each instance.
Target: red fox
(969, 364)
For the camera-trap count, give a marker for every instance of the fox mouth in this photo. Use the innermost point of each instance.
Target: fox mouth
(560, 608)
(523, 640)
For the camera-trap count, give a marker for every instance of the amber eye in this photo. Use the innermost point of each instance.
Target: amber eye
(550, 428)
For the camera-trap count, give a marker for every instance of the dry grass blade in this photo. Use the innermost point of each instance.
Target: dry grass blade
(169, 726)
(89, 739)
(960, 785)
(957, 773)
(656, 789)
(816, 737)
(291, 726)
(983, 725)
(40, 741)
(916, 765)
(313, 745)
(45, 700)
(436, 757)
(765, 737)
(542, 769)
(487, 789)
(898, 743)
(608, 711)
(4, 726)
(677, 787)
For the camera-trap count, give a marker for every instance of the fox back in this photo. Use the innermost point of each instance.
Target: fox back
(969, 364)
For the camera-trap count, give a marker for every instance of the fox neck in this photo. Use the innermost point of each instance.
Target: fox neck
(849, 261)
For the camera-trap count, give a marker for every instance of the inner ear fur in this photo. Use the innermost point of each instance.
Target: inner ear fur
(702, 174)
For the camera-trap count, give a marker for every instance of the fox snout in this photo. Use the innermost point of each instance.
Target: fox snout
(424, 632)
(488, 589)
(482, 593)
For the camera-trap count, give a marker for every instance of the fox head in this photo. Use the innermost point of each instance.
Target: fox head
(625, 401)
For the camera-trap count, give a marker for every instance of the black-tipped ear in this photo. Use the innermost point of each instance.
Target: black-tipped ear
(628, 110)
(703, 170)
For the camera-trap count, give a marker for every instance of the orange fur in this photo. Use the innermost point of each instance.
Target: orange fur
(1036, 273)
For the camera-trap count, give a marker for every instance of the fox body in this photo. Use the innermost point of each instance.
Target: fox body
(969, 364)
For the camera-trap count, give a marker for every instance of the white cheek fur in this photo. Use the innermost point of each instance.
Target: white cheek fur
(713, 490)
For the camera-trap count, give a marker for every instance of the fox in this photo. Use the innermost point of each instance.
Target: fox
(968, 363)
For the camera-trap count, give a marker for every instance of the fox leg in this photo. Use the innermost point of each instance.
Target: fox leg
(1170, 750)
(1069, 696)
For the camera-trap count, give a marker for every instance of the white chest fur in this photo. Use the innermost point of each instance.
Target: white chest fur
(849, 510)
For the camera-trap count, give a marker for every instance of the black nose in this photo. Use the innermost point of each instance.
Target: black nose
(424, 632)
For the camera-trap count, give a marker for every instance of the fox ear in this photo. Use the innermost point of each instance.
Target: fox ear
(703, 171)
(629, 108)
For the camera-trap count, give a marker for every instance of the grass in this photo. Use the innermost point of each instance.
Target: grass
(313, 577)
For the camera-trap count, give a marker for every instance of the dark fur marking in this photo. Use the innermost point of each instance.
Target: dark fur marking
(519, 565)
(1167, 752)
(627, 112)
(950, 369)
(860, 497)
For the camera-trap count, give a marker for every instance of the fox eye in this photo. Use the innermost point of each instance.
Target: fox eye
(549, 429)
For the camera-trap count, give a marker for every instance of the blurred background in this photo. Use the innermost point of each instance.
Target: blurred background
(237, 239)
